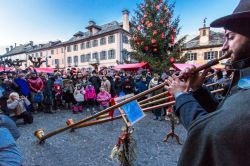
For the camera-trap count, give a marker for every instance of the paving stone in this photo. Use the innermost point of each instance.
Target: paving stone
(91, 146)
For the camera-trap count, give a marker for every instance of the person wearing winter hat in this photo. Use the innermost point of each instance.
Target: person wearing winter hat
(218, 134)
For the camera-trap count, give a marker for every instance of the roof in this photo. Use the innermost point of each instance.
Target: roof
(45, 46)
(114, 25)
(215, 39)
(18, 50)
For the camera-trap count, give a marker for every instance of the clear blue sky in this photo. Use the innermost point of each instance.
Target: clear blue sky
(47, 20)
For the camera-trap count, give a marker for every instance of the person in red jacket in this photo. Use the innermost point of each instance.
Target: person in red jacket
(36, 86)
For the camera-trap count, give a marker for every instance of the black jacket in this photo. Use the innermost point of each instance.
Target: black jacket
(220, 138)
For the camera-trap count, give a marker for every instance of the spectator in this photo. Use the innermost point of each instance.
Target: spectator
(36, 86)
(103, 98)
(18, 105)
(106, 84)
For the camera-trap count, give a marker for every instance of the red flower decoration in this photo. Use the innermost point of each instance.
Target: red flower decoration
(158, 7)
(138, 28)
(142, 21)
(153, 41)
(172, 59)
(161, 21)
(154, 32)
(162, 36)
(146, 48)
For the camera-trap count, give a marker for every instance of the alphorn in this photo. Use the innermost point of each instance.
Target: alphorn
(42, 138)
(108, 119)
(153, 97)
(160, 100)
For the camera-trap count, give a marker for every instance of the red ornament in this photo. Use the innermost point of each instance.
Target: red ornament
(142, 21)
(172, 39)
(145, 15)
(162, 36)
(161, 21)
(158, 7)
(167, 25)
(146, 48)
(154, 32)
(172, 59)
(153, 41)
(138, 28)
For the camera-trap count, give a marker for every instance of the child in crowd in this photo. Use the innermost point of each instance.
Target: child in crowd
(68, 90)
(90, 96)
(79, 98)
(18, 106)
(103, 99)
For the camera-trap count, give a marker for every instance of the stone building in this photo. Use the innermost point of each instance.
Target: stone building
(103, 45)
(204, 47)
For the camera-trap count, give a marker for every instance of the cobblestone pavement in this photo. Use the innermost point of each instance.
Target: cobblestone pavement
(91, 146)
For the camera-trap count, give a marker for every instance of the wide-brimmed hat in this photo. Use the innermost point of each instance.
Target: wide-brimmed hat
(242, 12)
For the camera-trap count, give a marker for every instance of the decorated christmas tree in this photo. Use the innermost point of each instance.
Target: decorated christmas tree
(154, 33)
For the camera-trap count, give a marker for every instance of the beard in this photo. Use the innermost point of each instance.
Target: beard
(241, 56)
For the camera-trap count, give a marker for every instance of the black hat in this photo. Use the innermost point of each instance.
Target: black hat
(242, 12)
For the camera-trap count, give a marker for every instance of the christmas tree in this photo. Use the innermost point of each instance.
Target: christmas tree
(154, 33)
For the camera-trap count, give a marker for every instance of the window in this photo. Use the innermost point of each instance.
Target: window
(88, 56)
(204, 32)
(61, 50)
(69, 60)
(125, 39)
(103, 41)
(103, 55)
(56, 61)
(111, 39)
(68, 48)
(191, 56)
(220, 54)
(95, 56)
(41, 54)
(75, 47)
(52, 52)
(111, 54)
(210, 55)
(95, 43)
(75, 60)
(83, 58)
(36, 55)
(82, 46)
(32, 55)
(88, 45)
(125, 54)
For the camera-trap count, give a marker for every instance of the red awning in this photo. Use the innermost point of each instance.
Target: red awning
(7, 69)
(132, 66)
(44, 70)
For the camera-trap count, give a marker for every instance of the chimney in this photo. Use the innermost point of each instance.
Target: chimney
(31, 43)
(15, 44)
(7, 50)
(125, 19)
(11, 47)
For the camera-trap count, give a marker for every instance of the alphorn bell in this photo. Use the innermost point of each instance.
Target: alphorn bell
(50, 134)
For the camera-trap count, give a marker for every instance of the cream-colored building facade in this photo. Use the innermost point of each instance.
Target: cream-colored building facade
(105, 45)
(204, 47)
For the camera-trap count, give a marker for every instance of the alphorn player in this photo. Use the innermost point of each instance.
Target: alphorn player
(222, 137)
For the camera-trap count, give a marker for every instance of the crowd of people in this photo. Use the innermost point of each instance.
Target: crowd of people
(24, 93)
